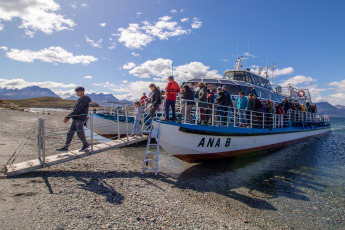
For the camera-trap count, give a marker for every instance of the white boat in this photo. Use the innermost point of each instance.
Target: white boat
(239, 131)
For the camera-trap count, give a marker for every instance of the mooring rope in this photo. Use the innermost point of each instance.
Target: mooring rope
(20, 146)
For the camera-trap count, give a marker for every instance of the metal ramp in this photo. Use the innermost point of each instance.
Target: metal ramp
(32, 165)
(150, 162)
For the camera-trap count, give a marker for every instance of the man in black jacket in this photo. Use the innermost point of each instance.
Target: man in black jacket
(156, 100)
(220, 101)
(79, 116)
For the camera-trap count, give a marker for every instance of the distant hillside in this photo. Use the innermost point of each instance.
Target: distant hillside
(328, 109)
(46, 102)
(340, 107)
(26, 93)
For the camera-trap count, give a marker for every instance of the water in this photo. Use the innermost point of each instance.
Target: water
(299, 187)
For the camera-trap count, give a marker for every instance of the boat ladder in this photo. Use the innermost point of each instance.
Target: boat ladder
(152, 150)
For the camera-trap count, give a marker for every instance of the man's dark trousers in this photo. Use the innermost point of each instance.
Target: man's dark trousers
(172, 104)
(76, 126)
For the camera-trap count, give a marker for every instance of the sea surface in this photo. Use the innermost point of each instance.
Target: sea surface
(298, 187)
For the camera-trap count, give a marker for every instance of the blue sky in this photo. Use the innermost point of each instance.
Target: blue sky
(120, 46)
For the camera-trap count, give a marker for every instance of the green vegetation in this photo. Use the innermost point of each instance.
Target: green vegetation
(46, 102)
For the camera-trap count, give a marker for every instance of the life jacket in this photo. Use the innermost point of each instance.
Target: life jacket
(172, 91)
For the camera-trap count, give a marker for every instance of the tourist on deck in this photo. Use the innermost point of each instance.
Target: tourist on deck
(285, 106)
(210, 100)
(202, 97)
(79, 115)
(144, 99)
(242, 105)
(155, 100)
(278, 113)
(303, 108)
(251, 107)
(137, 117)
(187, 103)
(220, 101)
(171, 89)
(228, 115)
(269, 112)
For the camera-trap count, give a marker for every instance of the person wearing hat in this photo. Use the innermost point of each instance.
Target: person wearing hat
(171, 89)
(79, 115)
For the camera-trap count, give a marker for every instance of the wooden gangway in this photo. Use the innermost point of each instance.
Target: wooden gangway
(32, 165)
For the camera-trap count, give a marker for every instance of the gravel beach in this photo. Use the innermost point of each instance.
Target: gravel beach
(300, 187)
(103, 191)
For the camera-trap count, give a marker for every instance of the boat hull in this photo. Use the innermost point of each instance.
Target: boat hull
(188, 144)
(109, 128)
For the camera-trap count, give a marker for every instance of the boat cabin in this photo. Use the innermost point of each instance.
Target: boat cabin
(242, 80)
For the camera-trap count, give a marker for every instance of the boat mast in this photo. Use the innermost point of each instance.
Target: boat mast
(238, 64)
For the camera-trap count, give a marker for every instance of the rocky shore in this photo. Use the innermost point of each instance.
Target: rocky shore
(103, 191)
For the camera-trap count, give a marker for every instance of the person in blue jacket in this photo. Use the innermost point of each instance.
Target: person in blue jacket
(242, 105)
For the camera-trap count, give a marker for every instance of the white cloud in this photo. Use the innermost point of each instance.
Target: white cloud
(52, 54)
(1, 27)
(137, 36)
(93, 43)
(340, 85)
(103, 24)
(112, 46)
(20, 83)
(35, 15)
(249, 55)
(3, 48)
(297, 80)
(135, 54)
(84, 5)
(276, 72)
(64, 93)
(139, 13)
(129, 65)
(184, 19)
(161, 68)
(173, 11)
(88, 77)
(133, 37)
(196, 23)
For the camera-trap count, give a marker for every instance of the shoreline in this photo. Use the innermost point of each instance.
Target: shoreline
(101, 191)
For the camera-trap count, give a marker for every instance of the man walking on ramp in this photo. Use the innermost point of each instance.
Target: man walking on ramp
(79, 116)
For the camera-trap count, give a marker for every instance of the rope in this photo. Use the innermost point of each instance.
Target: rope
(20, 147)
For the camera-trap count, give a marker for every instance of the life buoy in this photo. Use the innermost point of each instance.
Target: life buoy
(300, 93)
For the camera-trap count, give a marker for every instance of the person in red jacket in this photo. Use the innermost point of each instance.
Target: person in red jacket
(144, 99)
(172, 89)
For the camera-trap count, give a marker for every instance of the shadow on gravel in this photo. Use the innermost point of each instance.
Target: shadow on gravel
(257, 178)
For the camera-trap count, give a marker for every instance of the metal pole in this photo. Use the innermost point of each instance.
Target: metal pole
(263, 120)
(118, 124)
(43, 144)
(91, 128)
(196, 112)
(39, 139)
(251, 119)
(212, 114)
(185, 112)
(126, 115)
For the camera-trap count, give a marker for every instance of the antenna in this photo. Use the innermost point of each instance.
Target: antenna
(172, 68)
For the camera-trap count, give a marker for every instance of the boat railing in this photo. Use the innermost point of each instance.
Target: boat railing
(218, 115)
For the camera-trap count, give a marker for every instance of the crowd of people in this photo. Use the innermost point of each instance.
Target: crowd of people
(219, 101)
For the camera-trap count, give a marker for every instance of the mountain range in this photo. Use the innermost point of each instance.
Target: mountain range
(36, 91)
(26, 93)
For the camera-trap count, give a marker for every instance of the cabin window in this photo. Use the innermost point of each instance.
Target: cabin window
(239, 76)
(248, 77)
(247, 90)
(233, 89)
(212, 86)
(229, 75)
